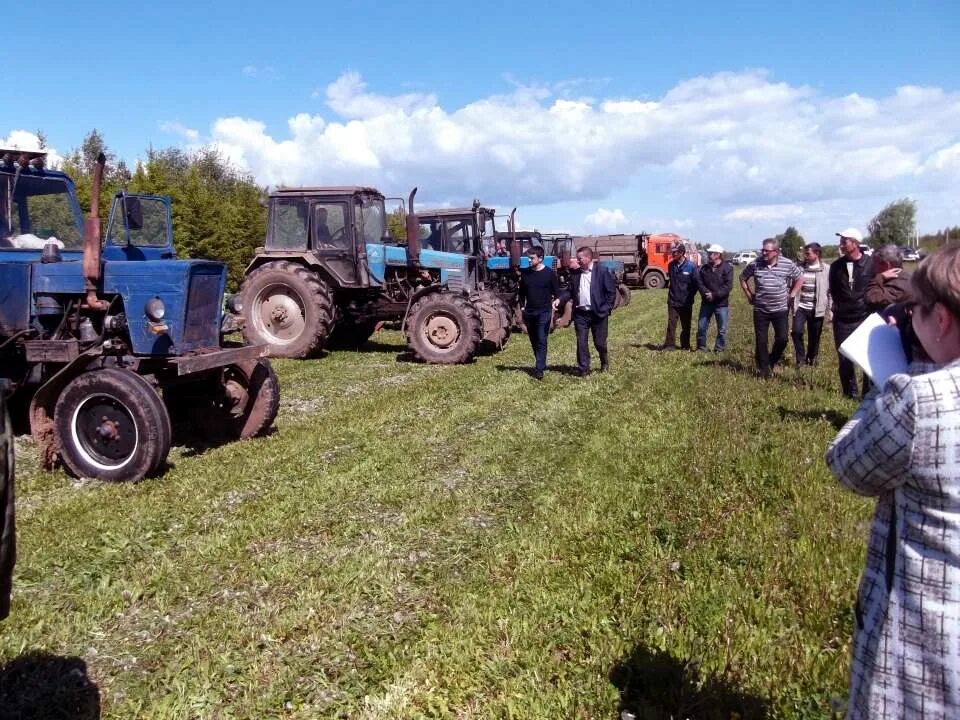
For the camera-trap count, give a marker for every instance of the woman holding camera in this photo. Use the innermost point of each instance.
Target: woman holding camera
(902, 446)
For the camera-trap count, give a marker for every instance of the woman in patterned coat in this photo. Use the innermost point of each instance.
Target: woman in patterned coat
(903, 447)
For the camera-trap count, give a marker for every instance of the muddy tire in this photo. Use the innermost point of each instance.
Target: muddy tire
(349, 335)
(444, 329)
(563, 317)
(654, 281)
(243, 404)
(623, 293)
(495, 319)
(288, 308)
(111, 425)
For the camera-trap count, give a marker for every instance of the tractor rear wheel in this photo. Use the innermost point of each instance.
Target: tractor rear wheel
(288, 308)
(110, 424)
(495, 319)
(444, 329)
(624, 293)
(654, 281)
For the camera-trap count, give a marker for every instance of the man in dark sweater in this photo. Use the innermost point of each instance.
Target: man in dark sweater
(890, 283)
(715, 281)
(680, 297)
(539, 288)
(849, 276)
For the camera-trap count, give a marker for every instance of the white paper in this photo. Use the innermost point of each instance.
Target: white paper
(875, 348)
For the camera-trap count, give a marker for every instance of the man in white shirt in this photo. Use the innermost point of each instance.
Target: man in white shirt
(593, 291)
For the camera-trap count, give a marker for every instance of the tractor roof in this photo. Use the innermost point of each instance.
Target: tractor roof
(452, 212)
(331, 190)
(521, 234)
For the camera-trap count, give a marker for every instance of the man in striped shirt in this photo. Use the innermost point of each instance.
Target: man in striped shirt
(775, 278)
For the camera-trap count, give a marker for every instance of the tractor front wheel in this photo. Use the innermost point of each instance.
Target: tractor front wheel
(288, 308)
(110, 424)
(444, 329)
(623, 292)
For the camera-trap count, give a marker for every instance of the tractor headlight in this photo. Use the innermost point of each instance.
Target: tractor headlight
(154, 309)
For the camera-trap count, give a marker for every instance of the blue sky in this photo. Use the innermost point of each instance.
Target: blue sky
(724, 122)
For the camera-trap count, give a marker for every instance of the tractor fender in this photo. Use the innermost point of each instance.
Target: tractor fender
(45, 400)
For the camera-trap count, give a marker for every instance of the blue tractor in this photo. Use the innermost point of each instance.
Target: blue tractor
(329, 273)
(100, 340)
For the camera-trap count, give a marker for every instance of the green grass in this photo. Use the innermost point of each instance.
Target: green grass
(425, 541)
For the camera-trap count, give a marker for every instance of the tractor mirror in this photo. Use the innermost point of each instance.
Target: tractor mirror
(133, 212)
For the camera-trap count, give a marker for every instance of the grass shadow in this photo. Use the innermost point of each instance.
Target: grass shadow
(559, 369)
(834, 417)
(654, 685)
(37, 685)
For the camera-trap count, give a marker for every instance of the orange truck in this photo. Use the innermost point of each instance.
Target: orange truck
(645, 256)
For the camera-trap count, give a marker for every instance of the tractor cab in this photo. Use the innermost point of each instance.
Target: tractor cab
(140, 227)
(464, 231)
(334, 224)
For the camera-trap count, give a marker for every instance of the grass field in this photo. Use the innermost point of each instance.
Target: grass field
(425, 541)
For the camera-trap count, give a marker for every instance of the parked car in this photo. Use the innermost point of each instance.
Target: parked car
(911, 255)
(866, 250)
(744, 258)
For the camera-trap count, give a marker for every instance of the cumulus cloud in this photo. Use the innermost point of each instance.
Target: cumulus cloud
(606, 220)
(180, 130)
(741, 142)
(764, 213)
(26, 140)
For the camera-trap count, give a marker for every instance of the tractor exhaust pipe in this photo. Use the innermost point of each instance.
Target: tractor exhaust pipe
(413, 234)
(91, 240)
(514, 246)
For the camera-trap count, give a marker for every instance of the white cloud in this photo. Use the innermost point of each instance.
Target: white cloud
(180, 130)
(26, 140)
(764, 213)
(606, 220)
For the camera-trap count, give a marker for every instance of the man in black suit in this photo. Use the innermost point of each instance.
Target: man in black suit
(592, 291)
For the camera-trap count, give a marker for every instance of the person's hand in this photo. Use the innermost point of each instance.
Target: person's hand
(556, 303)
(709, 296)
(891, 273)
(750, 299)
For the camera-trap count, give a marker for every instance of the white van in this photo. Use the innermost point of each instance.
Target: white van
(744, 258)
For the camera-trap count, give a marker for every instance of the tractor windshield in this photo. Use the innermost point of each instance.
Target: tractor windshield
(37, 209)
(370, 220)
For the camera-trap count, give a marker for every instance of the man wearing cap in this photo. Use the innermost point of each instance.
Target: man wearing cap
(680, 297)
(775, 279)
(714, 281)
(849, 277)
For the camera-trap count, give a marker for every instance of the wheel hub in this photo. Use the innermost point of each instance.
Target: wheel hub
(236, 397)
(105, 431)
(280, 315)
(442, 331)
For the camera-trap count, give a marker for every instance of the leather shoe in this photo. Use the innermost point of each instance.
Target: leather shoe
(580, 372)
(604, 367)
(537, 375)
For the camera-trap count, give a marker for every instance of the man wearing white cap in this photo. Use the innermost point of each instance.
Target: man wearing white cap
(714, 281)
(849, 277)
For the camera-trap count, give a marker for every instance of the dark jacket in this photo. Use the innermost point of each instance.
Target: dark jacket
(718, 281)
(8, 538)
(849, 300)
(881, 292)
(603, 289)
(683, 283)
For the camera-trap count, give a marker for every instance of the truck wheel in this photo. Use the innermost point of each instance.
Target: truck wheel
(351, 335)
(444, 329)
(654, 281)
(111, 425)
(624, 294)
(495, 321)
(288, 308)
(244, 403)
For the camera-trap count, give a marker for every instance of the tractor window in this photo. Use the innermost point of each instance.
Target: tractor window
(39, 210)
(429, 235)
(459, 236)
(153, 229)
(288, 223)
(329, 226)
(369, 221)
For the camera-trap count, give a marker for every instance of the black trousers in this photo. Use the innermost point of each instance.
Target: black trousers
(683, 315)
(538, 329)
(805, 319)
(848, 371)
(586, 322)
(762, 321)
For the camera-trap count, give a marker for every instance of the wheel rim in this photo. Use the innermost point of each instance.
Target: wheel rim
(104, 432)
(441, 331)
(278, 314)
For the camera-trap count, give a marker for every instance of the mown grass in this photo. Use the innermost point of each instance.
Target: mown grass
(423, 541)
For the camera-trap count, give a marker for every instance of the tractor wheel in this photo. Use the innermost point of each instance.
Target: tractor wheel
(518, 324)
(624, 294)
(288, 308)
(111, 425)
(244, 402)
(350, 335)
(495, 321)
(444, 329)
(654, 281)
